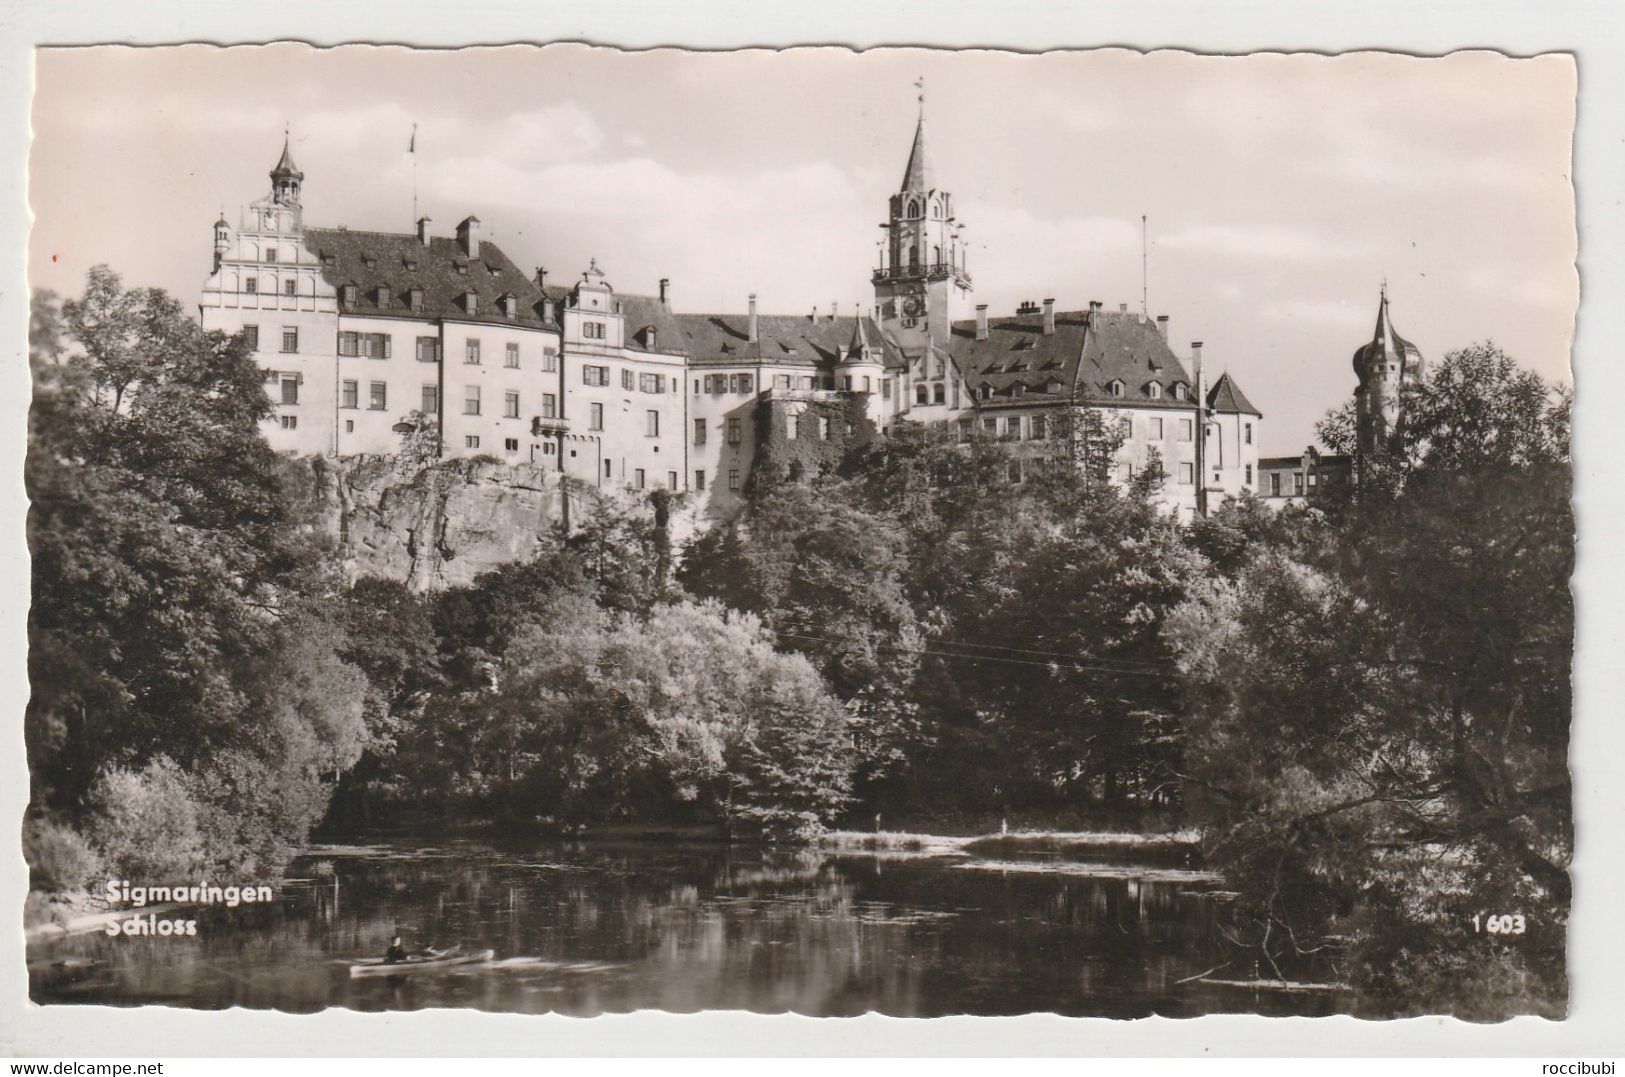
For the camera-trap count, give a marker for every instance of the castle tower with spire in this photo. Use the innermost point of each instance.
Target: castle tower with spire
(286, 178)
(1384, 366)
(922, 278)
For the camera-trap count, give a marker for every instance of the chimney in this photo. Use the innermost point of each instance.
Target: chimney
(1049, 317)
(665, 283)
(815, 315)
(981, 321)
(752, 337)
(468, 236)
(541, 278)
(1196, 371)
(834, 310)
(1162, 326)
(423, 230)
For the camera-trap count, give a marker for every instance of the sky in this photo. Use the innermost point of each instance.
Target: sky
(1279, 191)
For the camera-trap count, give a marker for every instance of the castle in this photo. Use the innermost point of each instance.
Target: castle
(367, 337)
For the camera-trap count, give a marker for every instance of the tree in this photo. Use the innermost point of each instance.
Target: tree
(1380, 735)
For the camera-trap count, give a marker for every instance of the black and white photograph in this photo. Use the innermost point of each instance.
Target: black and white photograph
(556, 529)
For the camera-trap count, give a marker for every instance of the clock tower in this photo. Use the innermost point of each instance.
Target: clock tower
(922, 276)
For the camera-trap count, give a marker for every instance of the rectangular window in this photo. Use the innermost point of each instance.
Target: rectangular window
(1040, 427)
(1184, 430)
(428, 349)
(290, 287)
(290, 339)
(270, 254)
(251, 285)
(823, 428)
(510, 404)
(651, 424)
(637, 477)
(885, 388)
(792, 427)
(290, 388)
(351, 398)
(699, 481)
(733, 479)
(807, 382)
(1125, 471)
(431, 400)
(1297, 483)
(471, 441)
(1247, 431)
(595, 375)
(349, 426)
(671, 480)
(626, 380)
(1125, 427)
(251, 337)
(595, 416)
(967, 427)
(510, 445)
(550, 406)
(651, 383)
(1187, 474)
(1275, 484)
(471, 400)
(371, 345)
(990, 427)
(781, 381)
(290, 422)
(511, 356)
(347, 343)
(699, 431)
(471, 351)
(1154, 429)
(376, 396)
(735, 431)
(592, 330)
(1312, 480)
(1249, 474)
(550, 361)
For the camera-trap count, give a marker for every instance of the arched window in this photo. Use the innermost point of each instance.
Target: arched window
(921, 391)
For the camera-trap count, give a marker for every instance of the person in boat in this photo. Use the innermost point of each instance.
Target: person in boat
(396, 952)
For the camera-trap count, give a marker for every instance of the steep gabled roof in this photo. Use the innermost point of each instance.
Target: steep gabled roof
(1226, 398)
(397, 262)
(1086, 351)
(782, 339)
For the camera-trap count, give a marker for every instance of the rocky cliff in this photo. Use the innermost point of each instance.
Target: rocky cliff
(443, 525)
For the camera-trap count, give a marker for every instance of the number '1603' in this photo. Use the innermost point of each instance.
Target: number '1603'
(1504, 924)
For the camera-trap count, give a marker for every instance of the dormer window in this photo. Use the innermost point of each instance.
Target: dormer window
(649, 337)
(493, 270)
(471, 302)
(1179, 390)
(414, 298)
(349, 295)
(1114, 388)
(381, 295)
(330, 259)
(369, 261)
(410, 263)
(509, 305)
(1154, 390)
(461, 267)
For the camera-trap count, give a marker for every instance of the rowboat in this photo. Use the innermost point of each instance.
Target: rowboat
(377, 966)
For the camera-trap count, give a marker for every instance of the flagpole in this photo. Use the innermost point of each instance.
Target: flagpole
(412, 151)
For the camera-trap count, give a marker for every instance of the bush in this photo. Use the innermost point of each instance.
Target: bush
(145, 822)
(59, 858)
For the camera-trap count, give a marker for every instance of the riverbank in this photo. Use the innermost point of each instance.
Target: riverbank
(1183, 845)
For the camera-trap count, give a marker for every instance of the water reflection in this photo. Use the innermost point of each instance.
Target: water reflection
(584, 929)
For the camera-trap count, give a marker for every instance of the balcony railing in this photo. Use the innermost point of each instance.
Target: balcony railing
(540, 425)
(930, 271)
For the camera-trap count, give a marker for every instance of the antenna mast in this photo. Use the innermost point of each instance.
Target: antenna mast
(1145, 308)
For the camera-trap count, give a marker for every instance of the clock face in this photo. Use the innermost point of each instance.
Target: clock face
(912, 306)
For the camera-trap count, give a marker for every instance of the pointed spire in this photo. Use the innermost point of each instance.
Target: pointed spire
(860, 339)
(919, 176)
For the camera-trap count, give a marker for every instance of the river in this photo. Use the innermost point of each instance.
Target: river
(587, 928)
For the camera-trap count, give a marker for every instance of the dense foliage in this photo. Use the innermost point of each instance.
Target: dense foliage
(1363, 704)
(1408, 653)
